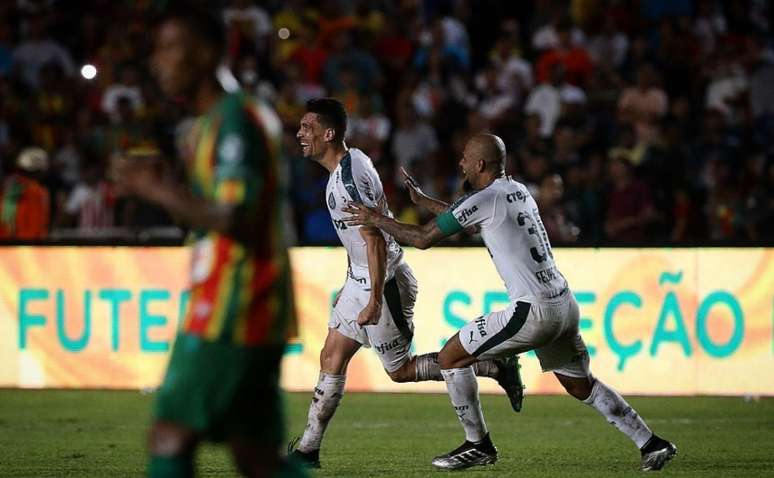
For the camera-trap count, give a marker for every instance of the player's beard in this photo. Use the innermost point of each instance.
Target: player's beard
(466, 186)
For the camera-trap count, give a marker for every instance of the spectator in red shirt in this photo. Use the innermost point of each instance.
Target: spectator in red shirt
(393, 46)
(629, 205)
(575, 59)
(24, 200)
(310, 55)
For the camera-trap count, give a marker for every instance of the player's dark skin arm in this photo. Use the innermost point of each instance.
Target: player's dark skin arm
(421, 199)
(144, 180)
(419, 236)
(376, 251)
(418, 197)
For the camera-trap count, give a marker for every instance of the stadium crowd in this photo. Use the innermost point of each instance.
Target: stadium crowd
(632, 122)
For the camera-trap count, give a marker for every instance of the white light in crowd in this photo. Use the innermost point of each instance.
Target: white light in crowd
(283, 33)
(89, 72)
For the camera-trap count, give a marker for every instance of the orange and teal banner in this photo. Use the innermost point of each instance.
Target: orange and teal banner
(657, 321)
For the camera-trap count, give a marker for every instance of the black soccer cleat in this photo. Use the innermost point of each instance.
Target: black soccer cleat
(468, 454)
(509, 377)
(656, 453)
(310, 459)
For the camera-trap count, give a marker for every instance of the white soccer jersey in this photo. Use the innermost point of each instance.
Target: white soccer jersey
(355, 179)
(513, 233)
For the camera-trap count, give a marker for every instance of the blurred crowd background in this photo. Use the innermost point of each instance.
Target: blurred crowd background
(632, 122)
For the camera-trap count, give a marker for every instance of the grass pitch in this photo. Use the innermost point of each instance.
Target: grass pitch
(102, 433)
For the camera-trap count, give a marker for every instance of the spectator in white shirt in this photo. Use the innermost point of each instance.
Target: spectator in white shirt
(128, 87)
(251, 21)
(413, 140)
(610, 45)
(546, 99)
(546, 37)
(38, 50)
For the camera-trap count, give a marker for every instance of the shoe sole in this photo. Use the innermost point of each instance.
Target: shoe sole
(484, 462)
(669, 453)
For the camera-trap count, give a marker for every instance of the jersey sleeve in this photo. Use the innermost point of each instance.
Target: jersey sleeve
(241, 158)
(472, 209)
(364, 185)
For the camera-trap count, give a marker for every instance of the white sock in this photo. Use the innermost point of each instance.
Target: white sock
(463, 392)
(326, 398)
(614, 408)
(427, 368)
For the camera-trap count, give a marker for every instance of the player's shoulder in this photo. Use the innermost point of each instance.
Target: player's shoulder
(359, 175)
(358, 164)
(501, 189)
(508, 184)
(232, 104)
(359, 158)
(242, 109)
(512, 190)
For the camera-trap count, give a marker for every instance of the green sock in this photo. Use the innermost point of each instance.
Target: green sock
(178, 466)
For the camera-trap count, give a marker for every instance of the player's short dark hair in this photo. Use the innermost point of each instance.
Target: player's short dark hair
(331, 113)
(204, 22)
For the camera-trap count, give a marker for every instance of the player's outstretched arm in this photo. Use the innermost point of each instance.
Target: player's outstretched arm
(143, 179)
(421, 237)
(418, 197)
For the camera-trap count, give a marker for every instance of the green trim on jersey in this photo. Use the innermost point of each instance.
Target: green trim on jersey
(448, 224)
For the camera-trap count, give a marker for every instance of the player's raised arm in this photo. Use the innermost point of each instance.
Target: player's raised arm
(142, 179)
(421, 199)
(435, 206)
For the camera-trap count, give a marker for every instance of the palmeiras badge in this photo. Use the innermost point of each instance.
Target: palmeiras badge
(331, 201)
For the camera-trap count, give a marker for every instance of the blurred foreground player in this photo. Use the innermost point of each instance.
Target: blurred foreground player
(543, 315)
(222, 379)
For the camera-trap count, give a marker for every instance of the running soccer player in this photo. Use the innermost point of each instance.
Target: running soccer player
(375, 305)
(543, 315)
(222, 380)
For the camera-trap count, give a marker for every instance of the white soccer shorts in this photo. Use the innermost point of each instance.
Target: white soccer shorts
(549, 327)
(391, 337)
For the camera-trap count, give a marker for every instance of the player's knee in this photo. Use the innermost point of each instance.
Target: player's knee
(330, 361)
(406, 373)
(170, 440)
(579, 392)
(446, 359)
(579, 388)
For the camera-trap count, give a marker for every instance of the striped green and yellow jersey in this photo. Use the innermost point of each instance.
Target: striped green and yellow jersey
(241, 293)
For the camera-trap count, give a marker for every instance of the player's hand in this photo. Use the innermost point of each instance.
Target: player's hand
(142, 178)
(360, 215)
(415, 192)
(370, 314)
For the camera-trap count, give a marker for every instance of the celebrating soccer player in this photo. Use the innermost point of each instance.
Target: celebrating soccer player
(375, 305)
(543, 314)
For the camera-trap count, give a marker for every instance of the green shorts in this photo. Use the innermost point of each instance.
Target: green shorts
(222, 390)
